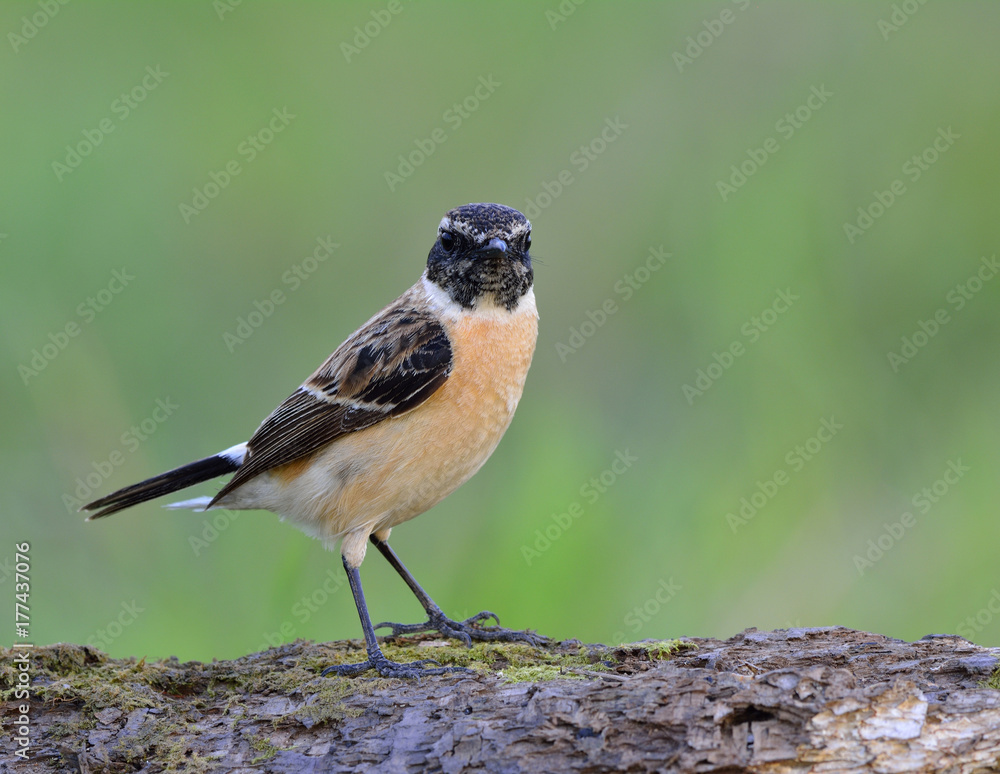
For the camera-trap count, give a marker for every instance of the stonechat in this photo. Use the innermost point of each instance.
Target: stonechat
(398, 417)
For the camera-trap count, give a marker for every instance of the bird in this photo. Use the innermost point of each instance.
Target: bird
(402, 413)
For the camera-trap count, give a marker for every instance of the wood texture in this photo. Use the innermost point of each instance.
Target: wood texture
(799, 700)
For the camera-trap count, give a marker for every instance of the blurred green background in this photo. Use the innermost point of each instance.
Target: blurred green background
(738, 140)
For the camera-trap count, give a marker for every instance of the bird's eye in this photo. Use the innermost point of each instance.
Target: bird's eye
(527, 242)
(447, 241)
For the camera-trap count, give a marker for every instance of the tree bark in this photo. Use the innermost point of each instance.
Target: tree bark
(798, 700)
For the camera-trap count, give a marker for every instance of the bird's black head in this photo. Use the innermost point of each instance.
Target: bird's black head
(481, 255)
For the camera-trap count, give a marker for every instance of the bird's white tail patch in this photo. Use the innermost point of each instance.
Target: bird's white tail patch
(235, 453)
(195, 504)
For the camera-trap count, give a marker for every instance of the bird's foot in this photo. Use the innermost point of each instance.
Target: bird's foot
(467, 630)
(387, 668)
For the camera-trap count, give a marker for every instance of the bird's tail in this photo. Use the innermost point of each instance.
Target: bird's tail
(179, 478)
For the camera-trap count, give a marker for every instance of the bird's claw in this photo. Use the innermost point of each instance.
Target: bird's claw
(467, 630)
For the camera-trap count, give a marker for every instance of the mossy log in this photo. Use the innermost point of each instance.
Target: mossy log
(798, 700)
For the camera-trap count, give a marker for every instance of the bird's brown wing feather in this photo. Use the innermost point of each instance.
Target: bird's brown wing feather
(389, 366)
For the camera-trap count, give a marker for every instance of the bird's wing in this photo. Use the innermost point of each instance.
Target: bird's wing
(391, 365)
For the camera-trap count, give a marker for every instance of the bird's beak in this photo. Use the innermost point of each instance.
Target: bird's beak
(495, 248)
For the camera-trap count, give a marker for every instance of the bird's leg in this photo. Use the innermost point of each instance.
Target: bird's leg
(376, 660)
(466, 631)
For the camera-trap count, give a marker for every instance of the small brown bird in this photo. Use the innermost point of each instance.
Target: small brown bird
(398, 417)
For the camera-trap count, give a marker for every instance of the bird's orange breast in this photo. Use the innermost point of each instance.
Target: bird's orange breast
(442, 442)
(491, 360)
